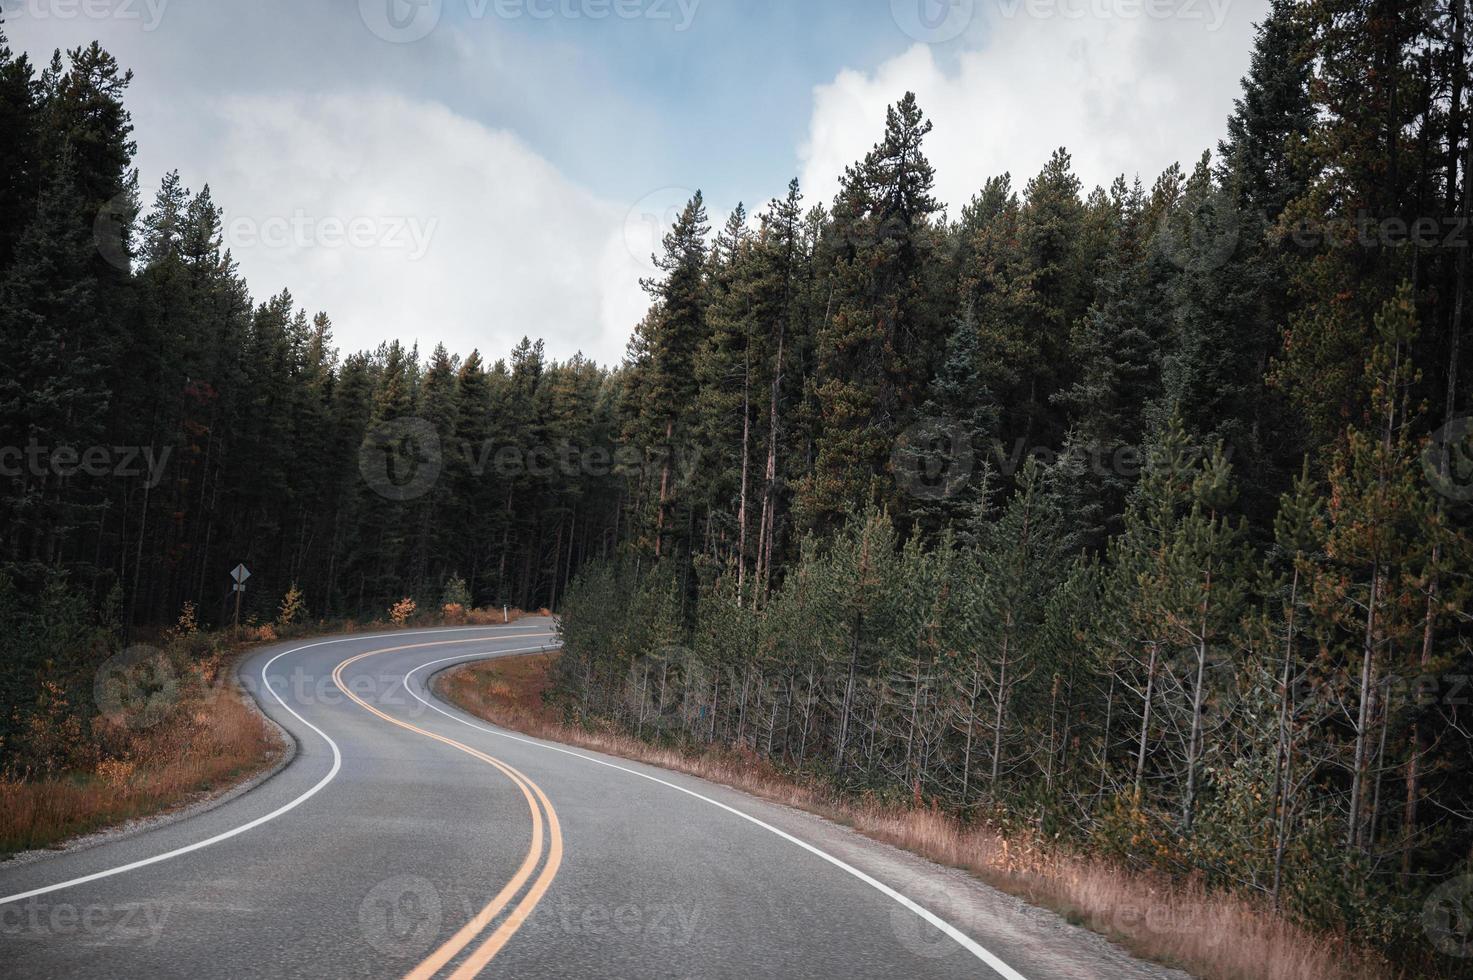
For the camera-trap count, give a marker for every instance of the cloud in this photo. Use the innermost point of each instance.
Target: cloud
(1124, 90)
(402, 219)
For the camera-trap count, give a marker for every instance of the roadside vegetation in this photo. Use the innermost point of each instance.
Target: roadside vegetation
(99, 732)
(1124, 524)
(1128, 524)
(1172, 921)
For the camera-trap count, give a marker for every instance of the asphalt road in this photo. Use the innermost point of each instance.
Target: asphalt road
(407, 838)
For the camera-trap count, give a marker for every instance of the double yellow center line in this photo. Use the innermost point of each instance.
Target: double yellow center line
(467, 934)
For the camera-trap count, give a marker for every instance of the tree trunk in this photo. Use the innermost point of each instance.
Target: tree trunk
(1140, 758)
(1283, 767)
(1002, 698)
(1105, 737)
(848, 698)
(742, 505)
(1194, 743)
(664, 488)
(1354, 828)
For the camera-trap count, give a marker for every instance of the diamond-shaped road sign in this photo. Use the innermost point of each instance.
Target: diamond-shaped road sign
(240, 573)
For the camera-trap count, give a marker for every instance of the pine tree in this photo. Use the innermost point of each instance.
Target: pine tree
(1201, 596)
(1118, 347)
(672, 332)
(1021, 561)
(1058, 292)
(781, 262)
(1378, 547)
(53, 393)
(943, 462)
(1262, 155)
(1299, 542)
(20, 157)
(876, 351)
(728, 367)
(1350, 270)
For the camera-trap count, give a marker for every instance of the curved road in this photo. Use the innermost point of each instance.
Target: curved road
(407, 838)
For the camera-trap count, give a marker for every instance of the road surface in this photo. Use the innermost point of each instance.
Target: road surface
(407, 838)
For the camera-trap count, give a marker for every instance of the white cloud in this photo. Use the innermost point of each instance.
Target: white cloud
(1124, 91)
(402, 219)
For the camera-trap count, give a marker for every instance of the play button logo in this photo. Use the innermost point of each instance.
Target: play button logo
(933, 21)
(400, 21)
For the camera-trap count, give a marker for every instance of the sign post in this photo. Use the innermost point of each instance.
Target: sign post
(240, 573)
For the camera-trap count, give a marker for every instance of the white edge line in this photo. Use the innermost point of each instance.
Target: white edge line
(337, 762)
(967, 943)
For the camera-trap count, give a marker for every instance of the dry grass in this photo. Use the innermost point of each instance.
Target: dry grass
(1208, 934)
(207, 742)
(454, 614)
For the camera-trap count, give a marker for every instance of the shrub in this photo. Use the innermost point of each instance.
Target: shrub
(188, 624)
(456, 593)
(292, 606)
(401, 611)
(115, 772)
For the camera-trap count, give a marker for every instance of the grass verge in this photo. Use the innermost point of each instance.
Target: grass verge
(208, 740)
(192, 736)
(1181, 924)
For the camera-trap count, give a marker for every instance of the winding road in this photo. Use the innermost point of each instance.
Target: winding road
(407, 838)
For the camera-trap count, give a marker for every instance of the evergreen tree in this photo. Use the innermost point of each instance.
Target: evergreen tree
(875, 352)
(671, 334)
(53, 392)
(1117, 345)
(21, 156)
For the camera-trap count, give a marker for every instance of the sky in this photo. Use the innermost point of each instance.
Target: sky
(472, 171)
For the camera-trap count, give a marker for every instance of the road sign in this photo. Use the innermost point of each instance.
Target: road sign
(240, 573)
